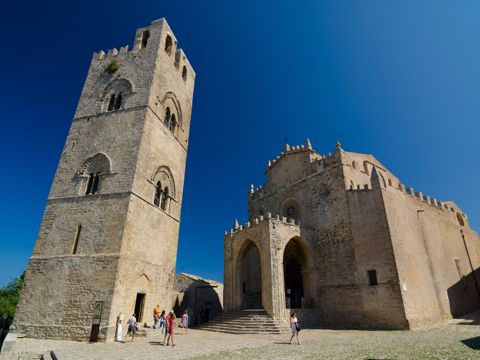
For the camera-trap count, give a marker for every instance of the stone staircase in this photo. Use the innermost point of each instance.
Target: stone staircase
(248, 321)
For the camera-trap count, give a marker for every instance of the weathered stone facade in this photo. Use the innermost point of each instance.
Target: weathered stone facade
(202, 298)
(339, 239)
(110, 229)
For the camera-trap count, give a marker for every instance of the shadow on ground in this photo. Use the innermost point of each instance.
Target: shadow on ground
(156, 343)
(473, 343)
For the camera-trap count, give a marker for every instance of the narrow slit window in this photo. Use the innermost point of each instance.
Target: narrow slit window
(95, 184)
(168, 44)
(77, 239)
(184, 73)
(372, 278)
(158, 194)
(111, 103)
(89, 184)
(145, 36)
(173, 123)
(118, 102)
(164, 200)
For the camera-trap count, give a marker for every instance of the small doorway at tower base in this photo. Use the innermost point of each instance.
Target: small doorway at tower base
(139, 306)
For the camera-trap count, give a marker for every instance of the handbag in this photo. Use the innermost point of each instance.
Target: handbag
(297, 327)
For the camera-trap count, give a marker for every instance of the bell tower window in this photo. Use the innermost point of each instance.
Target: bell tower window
(168, 44)
(145, 36)
(184, 73)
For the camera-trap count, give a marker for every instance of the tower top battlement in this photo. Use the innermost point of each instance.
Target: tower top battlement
(158, 35)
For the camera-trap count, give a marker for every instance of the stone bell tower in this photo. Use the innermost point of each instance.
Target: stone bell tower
(108, 239)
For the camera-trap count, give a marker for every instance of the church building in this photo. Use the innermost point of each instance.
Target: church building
(341, 241)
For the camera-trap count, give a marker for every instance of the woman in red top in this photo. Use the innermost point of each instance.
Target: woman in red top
(170, 327)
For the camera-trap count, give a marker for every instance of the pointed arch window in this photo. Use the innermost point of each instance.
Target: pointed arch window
(161, 196)
(116, 94)
(93, 172)
(164, 188)
(170, 120)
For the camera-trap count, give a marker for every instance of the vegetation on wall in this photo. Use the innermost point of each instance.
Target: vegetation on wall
(112, 67)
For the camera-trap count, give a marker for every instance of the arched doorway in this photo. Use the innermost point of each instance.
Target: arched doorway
(297, 275)
(251, 277)
(293, 284)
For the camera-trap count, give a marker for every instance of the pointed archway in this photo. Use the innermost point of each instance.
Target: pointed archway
(250, 277)
(297, 272)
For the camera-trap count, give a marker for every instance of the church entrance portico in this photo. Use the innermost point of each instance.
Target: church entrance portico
(298, 286)
(251, 277)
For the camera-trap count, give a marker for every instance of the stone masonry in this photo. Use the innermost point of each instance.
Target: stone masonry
(340, 240)
(109, 233)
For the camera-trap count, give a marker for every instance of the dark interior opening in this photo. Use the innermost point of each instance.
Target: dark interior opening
(139, 305)
(293, 284)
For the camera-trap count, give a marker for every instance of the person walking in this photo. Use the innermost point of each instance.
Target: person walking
(156, 317)
(185, 322)
(170, 327)
(167, 321)
(132, 326)
(294, 326)
(162, 322)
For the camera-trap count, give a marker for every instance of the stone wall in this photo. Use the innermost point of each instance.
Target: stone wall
(127, 245)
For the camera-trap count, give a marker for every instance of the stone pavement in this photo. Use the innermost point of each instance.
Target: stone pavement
(454, 340)
(197, 342)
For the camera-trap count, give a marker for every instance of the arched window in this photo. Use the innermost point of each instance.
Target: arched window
(460, 220)
(164, 188)
(115, 94)
(168, 44)
(145, 36)
(290, 209)
(164, 202)
(184, 73)
(93, 170)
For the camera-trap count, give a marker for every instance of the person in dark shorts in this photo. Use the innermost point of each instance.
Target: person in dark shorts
(132, 326)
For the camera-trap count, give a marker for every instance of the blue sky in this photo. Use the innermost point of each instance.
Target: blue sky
(397, 79)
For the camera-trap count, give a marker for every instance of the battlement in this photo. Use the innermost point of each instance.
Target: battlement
(157, 37)
(417, 195)
(256, 221)
(288, 149)
(318, 163)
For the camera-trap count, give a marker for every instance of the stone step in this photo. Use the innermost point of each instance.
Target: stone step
(248, 321)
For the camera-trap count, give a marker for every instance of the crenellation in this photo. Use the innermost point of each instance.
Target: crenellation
(112, 52)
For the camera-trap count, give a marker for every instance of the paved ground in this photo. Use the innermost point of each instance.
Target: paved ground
(451, 341)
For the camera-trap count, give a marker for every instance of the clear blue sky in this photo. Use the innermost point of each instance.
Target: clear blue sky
(398, 79)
